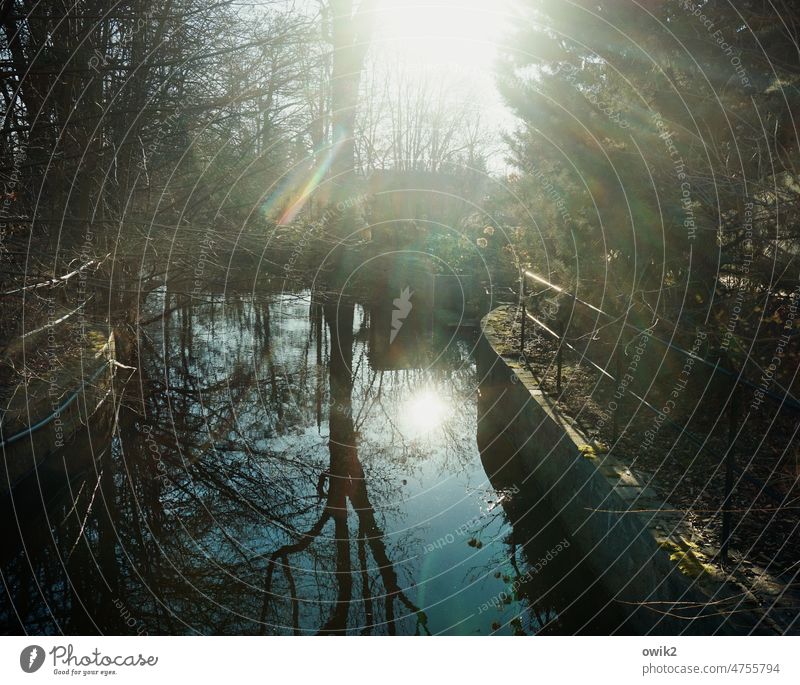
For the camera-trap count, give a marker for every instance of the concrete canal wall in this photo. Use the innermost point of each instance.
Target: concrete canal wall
(640, 551)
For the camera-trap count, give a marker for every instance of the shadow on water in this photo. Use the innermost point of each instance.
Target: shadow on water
(547, 573)
(282, 465)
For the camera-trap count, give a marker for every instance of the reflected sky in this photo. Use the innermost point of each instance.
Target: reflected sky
(425, 411)
(272, 474)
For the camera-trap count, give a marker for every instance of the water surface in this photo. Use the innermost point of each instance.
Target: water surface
(280, 467)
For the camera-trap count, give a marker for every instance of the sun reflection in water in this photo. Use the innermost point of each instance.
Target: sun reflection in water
(425, 411)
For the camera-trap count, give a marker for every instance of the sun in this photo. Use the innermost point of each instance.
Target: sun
(462, 33)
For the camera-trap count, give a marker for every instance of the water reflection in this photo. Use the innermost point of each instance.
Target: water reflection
(280, 467)
(423, 412)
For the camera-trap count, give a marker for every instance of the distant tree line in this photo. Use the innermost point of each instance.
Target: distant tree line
(141, 126)
(149, 130)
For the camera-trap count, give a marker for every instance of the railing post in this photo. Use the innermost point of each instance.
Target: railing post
(559, 354)
(617, 377)
(730, 467)
(524, 316)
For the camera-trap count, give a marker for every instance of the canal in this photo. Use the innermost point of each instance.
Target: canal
(283, 467)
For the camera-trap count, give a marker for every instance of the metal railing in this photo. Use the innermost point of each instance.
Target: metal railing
(732, 405)
(29, 430)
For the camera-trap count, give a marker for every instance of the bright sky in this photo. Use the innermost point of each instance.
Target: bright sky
(458, 33)
(457, 38)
